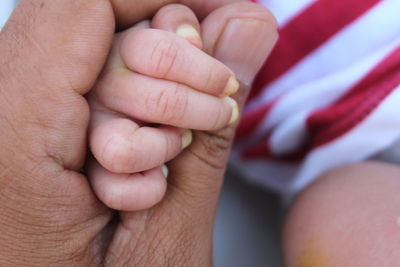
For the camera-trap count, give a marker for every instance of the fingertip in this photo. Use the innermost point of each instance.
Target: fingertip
(235, 110)
(181, 20)
(121, 146)
(226, 32)
(189, 33)
(232, 86)
(128, 192)
(187, 138)
(213, 26)
(110, 143)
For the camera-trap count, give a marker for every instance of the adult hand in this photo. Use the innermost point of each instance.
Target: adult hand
(52, 51)
(129, 12)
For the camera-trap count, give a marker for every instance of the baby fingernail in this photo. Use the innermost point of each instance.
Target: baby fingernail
(189, 33)
(165, 171)
(232, 86)
(235, 109)
(187, 139)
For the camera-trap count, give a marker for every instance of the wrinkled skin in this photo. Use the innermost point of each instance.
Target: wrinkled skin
(52, 52)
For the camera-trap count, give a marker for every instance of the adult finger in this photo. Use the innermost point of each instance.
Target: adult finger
(42, 30)
(158, 101)
(181, 20)
(130, 11)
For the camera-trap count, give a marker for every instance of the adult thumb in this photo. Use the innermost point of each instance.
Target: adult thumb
(241, 36)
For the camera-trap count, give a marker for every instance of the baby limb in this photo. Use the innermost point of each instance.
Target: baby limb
(153, 76)
(349, 217)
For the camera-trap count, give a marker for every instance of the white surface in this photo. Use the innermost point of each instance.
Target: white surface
(247, 230)
(6, 8)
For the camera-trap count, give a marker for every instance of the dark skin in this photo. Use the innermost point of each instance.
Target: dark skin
(52, 52)
(129, 12)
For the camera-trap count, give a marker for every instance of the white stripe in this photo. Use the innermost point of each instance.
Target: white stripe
(371, 32)
(290, 135)
(285, 10)
(310, 97)
(376, 133)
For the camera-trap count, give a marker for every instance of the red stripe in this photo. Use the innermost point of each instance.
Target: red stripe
(328, 124)
(261, 150)
(251, 120)
(305, 33)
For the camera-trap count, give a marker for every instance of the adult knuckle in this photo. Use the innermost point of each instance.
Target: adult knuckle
(214, 147)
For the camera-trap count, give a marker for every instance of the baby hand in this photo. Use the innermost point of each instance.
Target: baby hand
(155, 74)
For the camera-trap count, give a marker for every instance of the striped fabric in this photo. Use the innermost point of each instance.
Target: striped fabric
(328, 95)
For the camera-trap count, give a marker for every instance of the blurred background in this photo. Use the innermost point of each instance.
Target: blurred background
(6, 8)
(248, 224)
